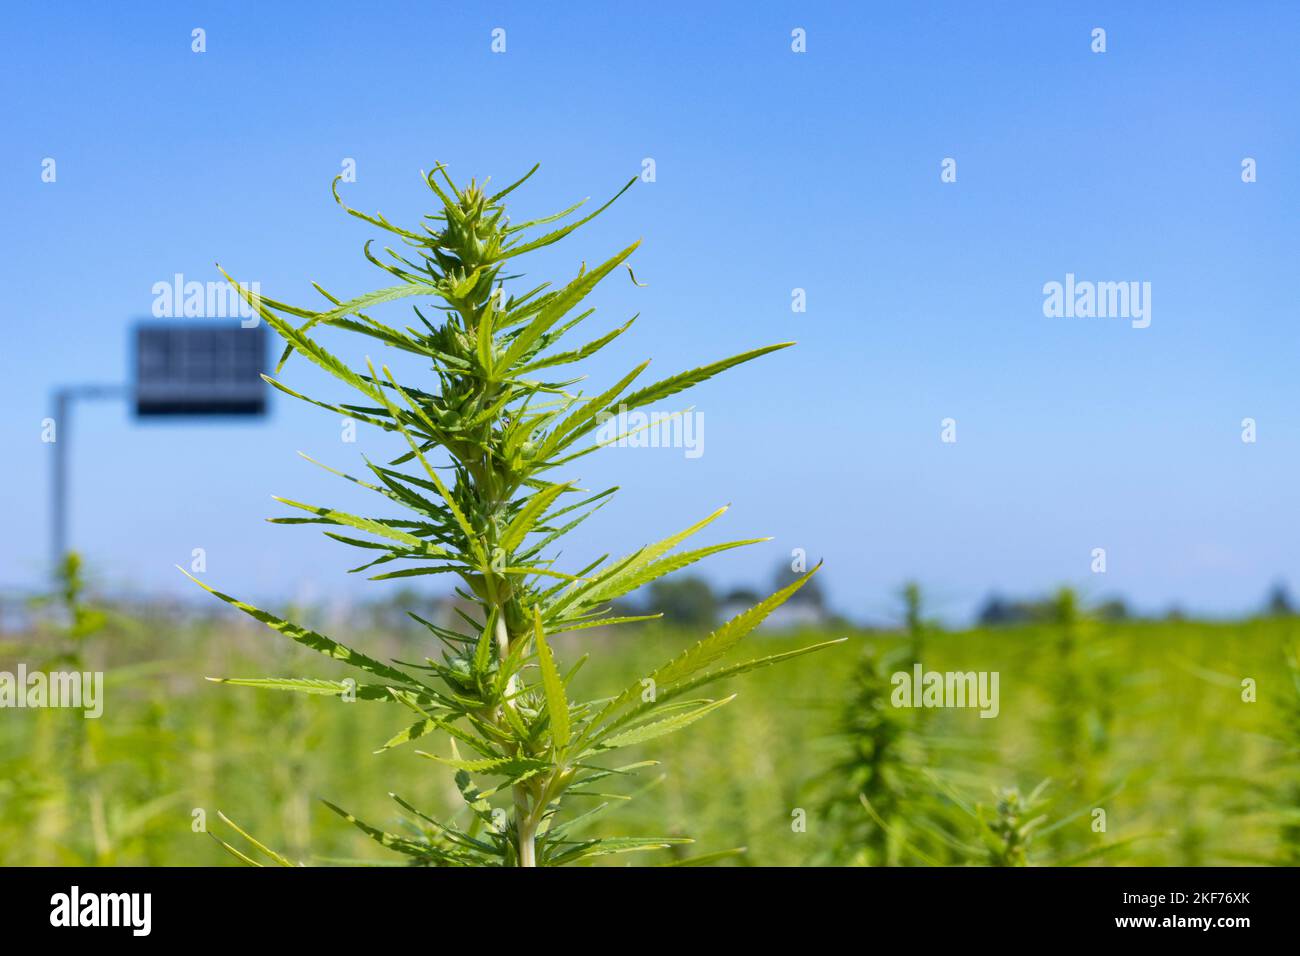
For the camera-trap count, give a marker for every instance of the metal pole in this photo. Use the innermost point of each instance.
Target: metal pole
(63, 401)
(59, 490)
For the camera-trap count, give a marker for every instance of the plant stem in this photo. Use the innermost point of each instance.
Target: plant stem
(525, 825)
(503, 647)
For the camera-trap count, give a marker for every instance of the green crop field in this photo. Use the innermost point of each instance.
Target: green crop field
(1148, 723)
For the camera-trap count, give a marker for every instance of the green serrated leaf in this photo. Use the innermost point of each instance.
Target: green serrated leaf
(658, 728)
(557, 705)
(308, 638)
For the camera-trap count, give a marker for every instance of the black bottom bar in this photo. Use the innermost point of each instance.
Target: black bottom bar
(432, 906)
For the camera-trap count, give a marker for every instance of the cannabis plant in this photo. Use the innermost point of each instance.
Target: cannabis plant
(887, 759)
(1082, 684)
(1006, 832)
(480, 440)
(84, 791)
(1287, 795)
(881, 762)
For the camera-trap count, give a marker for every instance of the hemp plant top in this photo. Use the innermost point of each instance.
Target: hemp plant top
(481, 445)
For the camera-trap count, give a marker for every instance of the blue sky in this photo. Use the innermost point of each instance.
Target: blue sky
(774, 170)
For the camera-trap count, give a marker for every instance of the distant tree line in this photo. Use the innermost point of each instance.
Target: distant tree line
(690, 601)
(998, 611)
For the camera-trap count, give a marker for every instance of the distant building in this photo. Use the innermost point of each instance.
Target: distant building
(806, 608)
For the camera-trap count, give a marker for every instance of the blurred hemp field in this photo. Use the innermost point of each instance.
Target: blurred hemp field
(1125, 743)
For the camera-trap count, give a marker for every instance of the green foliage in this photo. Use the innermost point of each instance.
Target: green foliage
(881, 762)
(886, 761)
(1286, 793)
(170, 746)
(914, 620)
(80, 620)
(1006, 828)
(479, 440)
(1082, 687)
(1009, 830)
(1273, 796)
(89, 792)
(914, 770)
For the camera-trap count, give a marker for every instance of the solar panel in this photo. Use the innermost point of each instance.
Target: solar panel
(199, 369)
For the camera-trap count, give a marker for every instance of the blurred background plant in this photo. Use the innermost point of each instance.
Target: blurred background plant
(87, 791)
